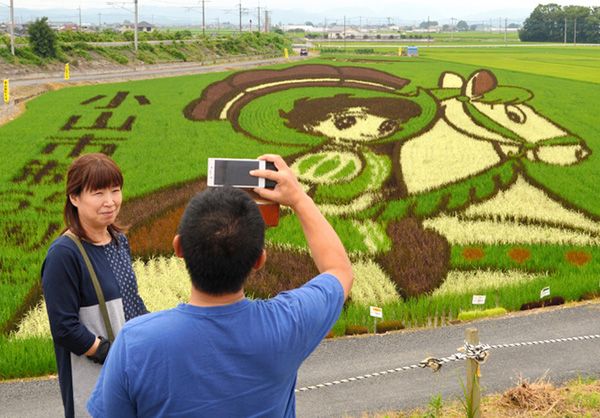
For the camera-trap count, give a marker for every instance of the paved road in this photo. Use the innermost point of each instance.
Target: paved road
(145, 71)
(340, 359)
(350, 357)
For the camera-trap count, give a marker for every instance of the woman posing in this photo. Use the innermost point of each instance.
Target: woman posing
(82, 326)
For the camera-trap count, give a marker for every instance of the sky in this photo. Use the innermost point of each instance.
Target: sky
(383, 6)
(398, 10)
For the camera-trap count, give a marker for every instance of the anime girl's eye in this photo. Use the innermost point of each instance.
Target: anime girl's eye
(387, 127)
(515, 114)
(344, 121)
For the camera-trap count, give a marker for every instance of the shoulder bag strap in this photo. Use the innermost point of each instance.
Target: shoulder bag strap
(96, 283)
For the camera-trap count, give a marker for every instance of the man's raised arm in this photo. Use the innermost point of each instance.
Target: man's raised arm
(325, 246)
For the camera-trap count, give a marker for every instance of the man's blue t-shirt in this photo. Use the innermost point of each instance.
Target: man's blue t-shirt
(238, 360)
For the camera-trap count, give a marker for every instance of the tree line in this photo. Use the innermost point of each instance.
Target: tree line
(551, 22)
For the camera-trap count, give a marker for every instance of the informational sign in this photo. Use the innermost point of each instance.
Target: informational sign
(376, 312)
(6, 92)
(545, 292)
(285, 53)
(67, 72)
(478, 300)
(412, 51)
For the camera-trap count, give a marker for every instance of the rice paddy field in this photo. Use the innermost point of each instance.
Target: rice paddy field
(461, 172)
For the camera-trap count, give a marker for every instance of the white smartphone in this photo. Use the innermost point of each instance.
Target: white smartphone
(235, 172)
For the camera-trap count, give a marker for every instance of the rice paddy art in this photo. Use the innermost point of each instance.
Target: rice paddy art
(404, 177)
(441, 180)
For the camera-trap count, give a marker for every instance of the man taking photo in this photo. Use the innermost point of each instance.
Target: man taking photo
(222, 354)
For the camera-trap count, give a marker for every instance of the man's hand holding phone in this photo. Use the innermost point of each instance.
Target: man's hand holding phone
(287, 191)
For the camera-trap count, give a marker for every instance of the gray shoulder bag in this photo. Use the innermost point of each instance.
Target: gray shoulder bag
(96, 283)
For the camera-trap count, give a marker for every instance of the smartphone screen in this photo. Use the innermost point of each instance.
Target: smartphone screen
(235, 173)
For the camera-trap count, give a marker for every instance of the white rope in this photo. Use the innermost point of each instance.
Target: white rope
(478, 353)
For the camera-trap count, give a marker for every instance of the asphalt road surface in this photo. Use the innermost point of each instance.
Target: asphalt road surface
(145, 71)
(351, 357)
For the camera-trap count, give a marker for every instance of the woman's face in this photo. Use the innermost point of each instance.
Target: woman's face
(355, 124)
(98, 208)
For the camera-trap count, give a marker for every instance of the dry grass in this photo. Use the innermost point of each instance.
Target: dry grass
(577, 398)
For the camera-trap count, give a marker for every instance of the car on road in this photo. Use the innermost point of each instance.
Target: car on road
(303, 52)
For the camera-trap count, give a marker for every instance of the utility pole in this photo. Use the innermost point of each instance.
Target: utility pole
(575, 32)
(12, 28)
(428, 32)
(344, 32)
(240, 4)
(203, 21)
(79, 27)
(565, 31)
(258, 27)
(452, 29)
(266, 25)
(135, 29)
(99, 20)
(505, 31)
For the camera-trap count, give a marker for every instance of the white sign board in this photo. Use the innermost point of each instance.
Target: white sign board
(478, 300)
(545, 292)
(376, 312)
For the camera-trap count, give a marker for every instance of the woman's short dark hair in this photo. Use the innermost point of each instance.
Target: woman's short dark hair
(222, 236)
(90, 172)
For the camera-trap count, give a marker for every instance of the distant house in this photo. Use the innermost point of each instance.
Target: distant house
(142, 27)
(337, 32)
(304, 28)
(63, 26)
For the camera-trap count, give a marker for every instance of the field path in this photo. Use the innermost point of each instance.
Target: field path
(352, 357)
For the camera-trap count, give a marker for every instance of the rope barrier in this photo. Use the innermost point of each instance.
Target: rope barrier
(479, 353)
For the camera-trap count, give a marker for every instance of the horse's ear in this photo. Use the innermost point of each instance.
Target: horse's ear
(450, 80)
(480, 83)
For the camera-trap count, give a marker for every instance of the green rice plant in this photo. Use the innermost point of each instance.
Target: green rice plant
(376, 170)
(26, 357)
(476, 314)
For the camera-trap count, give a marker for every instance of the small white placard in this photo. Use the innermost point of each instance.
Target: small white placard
(545, 292)
(376, 312)
(478, 300)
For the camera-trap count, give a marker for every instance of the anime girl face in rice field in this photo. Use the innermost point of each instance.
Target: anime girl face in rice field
(350, 119)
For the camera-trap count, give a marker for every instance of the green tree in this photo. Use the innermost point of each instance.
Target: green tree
(550, 23)
(42, 38)
(427, 25)
(462, 26)
(544, 24)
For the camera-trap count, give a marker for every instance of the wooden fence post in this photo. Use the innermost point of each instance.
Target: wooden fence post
(473, 389)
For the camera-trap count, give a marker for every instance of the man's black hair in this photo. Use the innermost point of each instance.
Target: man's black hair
(222, 235)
